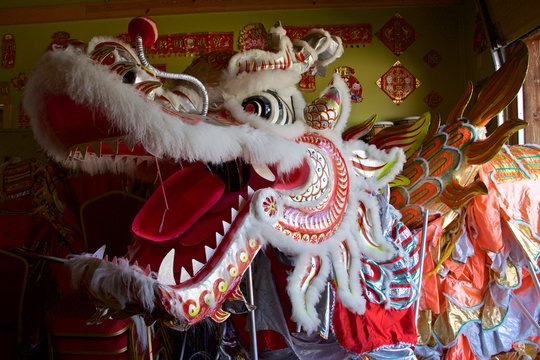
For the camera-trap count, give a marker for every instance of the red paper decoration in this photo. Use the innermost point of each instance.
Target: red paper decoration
(253, 36)
(8, 51)
(354, 85)
(398, 83)
(19, 81)
(307, 82)
(185, 44)
(432, 58)
(59, 40)
(352, 34)
(397, 34)
(433, 99)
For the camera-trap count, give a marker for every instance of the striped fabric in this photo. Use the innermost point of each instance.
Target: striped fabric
(393, 281)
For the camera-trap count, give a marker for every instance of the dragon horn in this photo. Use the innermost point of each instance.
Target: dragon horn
(501, 88)
(482, 151)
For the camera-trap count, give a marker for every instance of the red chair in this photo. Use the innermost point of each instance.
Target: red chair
(14, 275)
(70, 337)
(105, 219)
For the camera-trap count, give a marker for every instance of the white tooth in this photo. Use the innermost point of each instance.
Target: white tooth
(100, 252)
(98, 151)
(112, 144)
(196, 266)
(129, 143)
(219, 238)
(184, 275)
(241, 202)
(226, 226)
(209, 252)
(147, 270)
(234, 212)
(165, 273)
(250, 191)
(83, 149)
(264, 171)
(95, 147)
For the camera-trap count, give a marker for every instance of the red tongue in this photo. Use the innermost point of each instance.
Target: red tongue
(190, 192)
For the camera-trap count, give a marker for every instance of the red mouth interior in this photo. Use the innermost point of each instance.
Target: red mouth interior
(72, 124)
(196, 213)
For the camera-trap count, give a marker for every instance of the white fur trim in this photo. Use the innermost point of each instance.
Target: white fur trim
(70, 73)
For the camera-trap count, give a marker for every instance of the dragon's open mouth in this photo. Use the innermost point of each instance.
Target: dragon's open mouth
(198, 209)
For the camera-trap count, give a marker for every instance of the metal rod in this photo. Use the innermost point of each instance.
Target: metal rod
(421, 267)
(149, 336)
(183, 345)
(525, 311)
(253, 328)
(175, 76)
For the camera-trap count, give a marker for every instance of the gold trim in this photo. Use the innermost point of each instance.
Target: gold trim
(74, 352)
(92, 335)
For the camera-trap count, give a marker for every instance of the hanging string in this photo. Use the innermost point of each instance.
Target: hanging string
(164, 195)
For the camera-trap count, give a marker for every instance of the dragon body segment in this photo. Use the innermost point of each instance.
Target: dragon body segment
(472, 186)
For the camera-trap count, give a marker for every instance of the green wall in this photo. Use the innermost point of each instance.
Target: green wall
(446, 29)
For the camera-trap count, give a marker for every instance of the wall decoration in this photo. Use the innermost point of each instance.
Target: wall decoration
(397, 34)
(4, 88)
(432, 58)
(480, 42)
(347, 72)
(398, 83)
(19, 81)
(353, 34)
(23, 119)
(433, 99)
(307, 82)
(186, 44)
(8, 51)
(253, 36)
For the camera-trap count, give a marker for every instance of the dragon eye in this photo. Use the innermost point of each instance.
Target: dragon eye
(270, 106)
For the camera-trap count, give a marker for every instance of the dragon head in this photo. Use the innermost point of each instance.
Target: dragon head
(253, 164)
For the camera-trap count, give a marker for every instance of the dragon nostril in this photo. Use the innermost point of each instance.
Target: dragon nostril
(129, 77)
